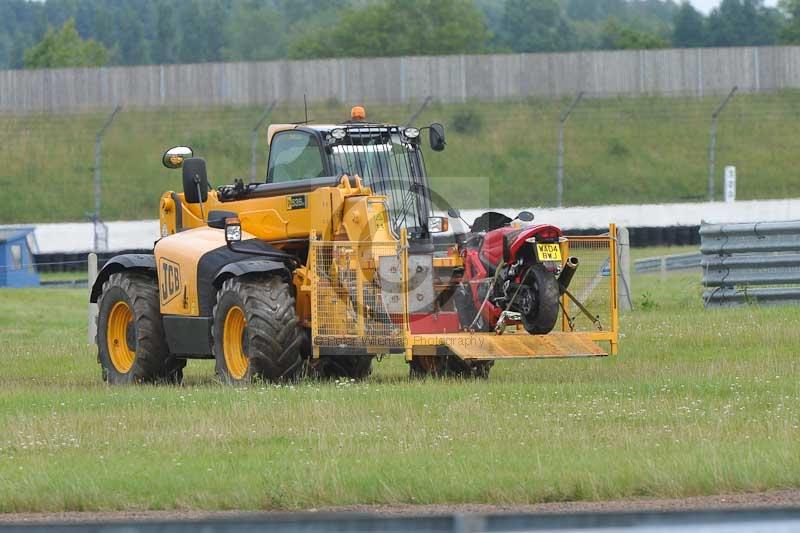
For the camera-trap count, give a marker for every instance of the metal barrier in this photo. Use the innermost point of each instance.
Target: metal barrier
(594, 286)
(358, 295)
(751, 263)
(668, 263)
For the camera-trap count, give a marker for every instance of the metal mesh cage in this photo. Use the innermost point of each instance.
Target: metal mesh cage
(591, 285)
(357, 295)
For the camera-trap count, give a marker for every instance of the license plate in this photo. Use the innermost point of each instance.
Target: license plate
(549, 252)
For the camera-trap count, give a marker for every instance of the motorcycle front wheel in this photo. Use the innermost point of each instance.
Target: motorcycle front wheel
(537, 301)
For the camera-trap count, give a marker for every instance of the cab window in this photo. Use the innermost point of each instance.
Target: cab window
(294, 155)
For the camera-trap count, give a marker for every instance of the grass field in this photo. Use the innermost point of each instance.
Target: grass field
(699, 402)
(626, 150)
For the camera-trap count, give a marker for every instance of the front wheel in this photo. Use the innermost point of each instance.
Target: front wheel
(131, 344)
(538, 301)
(256, 331)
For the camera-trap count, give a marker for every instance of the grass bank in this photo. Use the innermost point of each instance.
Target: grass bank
(699, 402)
(620, 150)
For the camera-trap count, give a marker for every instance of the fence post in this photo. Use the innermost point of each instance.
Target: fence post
(712, 148)
(92, 321)
(254, 141)
(100, 231)
(419, 111)
(624, 293)
(562, 120)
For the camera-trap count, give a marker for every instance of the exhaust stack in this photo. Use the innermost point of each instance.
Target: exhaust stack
(565, 278)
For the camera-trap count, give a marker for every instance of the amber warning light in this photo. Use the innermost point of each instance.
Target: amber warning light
(358, 113)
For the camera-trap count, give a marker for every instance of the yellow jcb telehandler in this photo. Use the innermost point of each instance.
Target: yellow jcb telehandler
(340, 256)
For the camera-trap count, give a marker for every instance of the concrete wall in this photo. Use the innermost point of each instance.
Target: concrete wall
(696, 72)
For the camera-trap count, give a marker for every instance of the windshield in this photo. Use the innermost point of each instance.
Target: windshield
(294, 155)
(391, 167)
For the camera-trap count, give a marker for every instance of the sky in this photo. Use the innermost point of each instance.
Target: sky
(707, 5)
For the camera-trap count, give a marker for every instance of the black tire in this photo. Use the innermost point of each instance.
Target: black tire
(144, 336)
(538, 301)
(272, 338)
(327, 367)
(448, 366)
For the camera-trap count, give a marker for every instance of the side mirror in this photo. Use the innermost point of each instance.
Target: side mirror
(437, 137)
(218, 219)
(195, 180)
(174, 157)
(525, 216)
(453, 213)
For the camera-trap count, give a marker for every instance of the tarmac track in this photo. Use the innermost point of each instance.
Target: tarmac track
(762, 500)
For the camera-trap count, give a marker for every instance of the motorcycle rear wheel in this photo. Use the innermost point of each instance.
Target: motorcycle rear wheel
(538, 301)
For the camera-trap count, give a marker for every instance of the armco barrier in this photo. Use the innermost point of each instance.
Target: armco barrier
(668, 263)
(751, 263)
(75, 261)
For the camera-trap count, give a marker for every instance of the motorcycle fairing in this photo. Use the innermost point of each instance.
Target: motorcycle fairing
(505, 243)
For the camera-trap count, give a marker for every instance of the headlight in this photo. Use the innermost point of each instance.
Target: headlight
(233, 230)
(438, 224)
(411, 133)
(338, 134)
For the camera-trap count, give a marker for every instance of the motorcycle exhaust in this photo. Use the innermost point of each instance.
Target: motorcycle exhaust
(565, 278)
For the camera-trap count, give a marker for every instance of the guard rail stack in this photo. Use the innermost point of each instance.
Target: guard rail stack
(751, 263)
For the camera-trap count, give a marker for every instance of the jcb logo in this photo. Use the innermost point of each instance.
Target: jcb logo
(170, 274)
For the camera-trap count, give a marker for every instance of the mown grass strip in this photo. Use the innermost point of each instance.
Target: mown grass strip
(699, 402)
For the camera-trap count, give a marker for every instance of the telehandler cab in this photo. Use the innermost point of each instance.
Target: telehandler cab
(331, 262)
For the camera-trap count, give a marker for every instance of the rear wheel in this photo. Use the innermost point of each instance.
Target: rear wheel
(357, 367)
(256, 331)
(448, 366)
(538, 301)
(131, 344)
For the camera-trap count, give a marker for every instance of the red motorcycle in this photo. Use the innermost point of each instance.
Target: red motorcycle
(511, 275)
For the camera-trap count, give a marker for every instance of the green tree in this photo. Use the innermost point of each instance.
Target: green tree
(202, 31)
(133, 46)
(399, 27)
(536, 26)
(596, 10)
(192, 47)
(165, 46)
(214, 22)
(104, 27)
(689, 27)
(65, 48)
(619, 37)
(790, 34)
(16, 54)
(743, 23)
(254, 33)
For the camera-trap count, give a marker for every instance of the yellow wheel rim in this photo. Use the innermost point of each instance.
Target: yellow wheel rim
(233, 332)
(120, 320)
